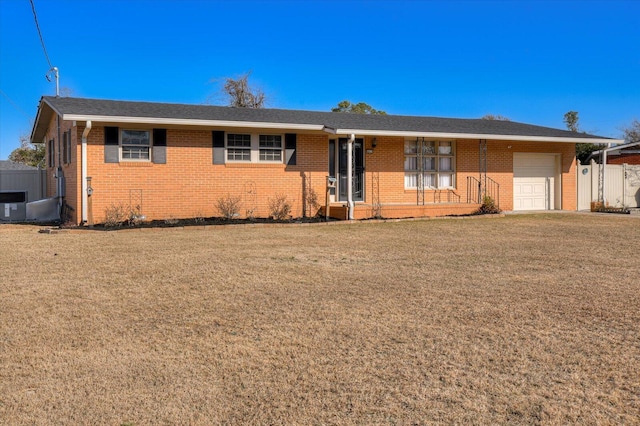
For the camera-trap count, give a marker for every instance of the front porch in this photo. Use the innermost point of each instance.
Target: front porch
(395, 211)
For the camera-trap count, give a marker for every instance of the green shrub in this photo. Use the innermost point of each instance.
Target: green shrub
(488, 206)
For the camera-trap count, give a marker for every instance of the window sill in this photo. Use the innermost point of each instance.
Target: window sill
(125, 163)
(256, 165)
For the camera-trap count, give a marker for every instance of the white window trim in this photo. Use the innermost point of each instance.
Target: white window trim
(437, 172)
(135, 160)
(281, 149)
(227, 148)
(255, 149)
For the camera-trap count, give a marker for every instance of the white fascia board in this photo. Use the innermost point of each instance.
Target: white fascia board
(37, 120)
(35, 127)
(405, 134)
(190, 122)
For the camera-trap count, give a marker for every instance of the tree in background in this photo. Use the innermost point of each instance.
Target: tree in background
(631, 134)
(571, 120)
(496, 117)
(241, 95)
(359, 108)
(28, 153)
(583, 150)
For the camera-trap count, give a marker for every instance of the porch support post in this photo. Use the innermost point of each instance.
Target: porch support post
(352, 138)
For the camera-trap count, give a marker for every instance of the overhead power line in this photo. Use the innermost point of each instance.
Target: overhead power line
(20, 110)
(44, 48)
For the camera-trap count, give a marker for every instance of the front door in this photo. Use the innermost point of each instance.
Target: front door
(357, 167)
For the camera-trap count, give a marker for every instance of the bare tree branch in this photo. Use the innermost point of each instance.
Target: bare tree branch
(241, 95)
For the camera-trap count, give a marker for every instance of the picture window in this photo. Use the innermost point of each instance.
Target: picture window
(430, 163)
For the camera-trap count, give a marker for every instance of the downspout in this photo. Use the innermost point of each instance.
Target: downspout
(604, 175)
(85, 195)
(352, 138)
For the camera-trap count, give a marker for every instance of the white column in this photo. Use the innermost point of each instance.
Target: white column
(352, 137)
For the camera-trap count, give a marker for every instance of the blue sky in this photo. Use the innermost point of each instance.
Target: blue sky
(531, 61)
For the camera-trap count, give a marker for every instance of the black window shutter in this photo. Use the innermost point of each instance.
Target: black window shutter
(52, 154)
(159, 150)
(218, 139)
(290, 141)
(218, 146)
(66, 147)
(111, 145)
(159, 137)
(111, 136)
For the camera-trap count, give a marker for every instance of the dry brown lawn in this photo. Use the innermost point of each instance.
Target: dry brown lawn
(526, 319)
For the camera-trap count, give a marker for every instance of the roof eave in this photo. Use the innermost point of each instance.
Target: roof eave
(39, 130)
(190, 122)
(446, 135)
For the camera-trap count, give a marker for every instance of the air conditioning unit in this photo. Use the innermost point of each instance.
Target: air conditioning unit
(13, 206)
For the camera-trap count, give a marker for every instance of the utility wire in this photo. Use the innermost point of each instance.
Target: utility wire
(20, 110)
(35, 17)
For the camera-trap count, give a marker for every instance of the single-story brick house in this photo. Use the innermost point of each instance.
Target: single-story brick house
(177, 161)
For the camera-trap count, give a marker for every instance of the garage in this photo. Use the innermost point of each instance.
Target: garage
(535, 181)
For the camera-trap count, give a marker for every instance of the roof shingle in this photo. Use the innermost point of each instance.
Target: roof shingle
(333, 120)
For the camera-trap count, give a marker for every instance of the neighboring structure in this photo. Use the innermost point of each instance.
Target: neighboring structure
(616, 183)
(628, 155)
(177, 161)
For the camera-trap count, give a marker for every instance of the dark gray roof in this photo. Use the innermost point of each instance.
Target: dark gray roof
(333, 120)
(10, 165)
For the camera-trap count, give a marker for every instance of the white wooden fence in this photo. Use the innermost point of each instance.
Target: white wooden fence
(621, 185)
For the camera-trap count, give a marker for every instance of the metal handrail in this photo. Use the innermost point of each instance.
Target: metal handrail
(476, 192)
(450, 196)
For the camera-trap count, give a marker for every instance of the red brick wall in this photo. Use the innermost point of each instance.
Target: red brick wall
(624, 158)
(501, 169)
(69, 170)
(190, 185)
(387, 160)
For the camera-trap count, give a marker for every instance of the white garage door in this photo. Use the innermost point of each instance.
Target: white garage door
(534, 181)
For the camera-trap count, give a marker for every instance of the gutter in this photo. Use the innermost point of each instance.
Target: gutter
(85, 193)
(192, 122)
(454, 135)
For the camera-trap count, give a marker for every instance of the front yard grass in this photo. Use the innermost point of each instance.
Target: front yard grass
(524, 319)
